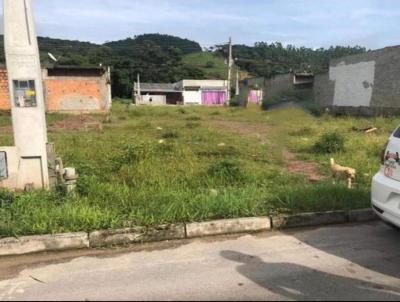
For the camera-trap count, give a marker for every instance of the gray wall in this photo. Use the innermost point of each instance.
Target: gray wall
(278, 84)
(367, 82)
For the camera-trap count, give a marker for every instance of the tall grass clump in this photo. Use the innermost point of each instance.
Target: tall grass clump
(330, 142)
(227, 171)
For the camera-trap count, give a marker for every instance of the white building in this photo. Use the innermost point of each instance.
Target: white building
(186, 92)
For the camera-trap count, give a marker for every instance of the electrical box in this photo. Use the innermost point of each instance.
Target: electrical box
(3, 166)
(24, 93)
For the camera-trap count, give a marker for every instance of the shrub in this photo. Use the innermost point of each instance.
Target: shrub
(170, 134)
(234, 103)
(192, 125)
(265, 104)
(330, 142)
(130, 153)
(227, 170)
(210, 64)
(6, 198)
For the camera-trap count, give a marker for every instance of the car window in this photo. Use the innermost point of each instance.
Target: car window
(397, 133)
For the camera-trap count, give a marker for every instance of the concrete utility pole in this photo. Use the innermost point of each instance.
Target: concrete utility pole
(237, 81)
(26, 92)
(139, 90)
(230, 63)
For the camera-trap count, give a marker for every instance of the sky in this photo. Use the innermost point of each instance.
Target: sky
(311, 23)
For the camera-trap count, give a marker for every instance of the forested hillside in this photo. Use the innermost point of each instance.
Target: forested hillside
(265, 59)
(165, 58)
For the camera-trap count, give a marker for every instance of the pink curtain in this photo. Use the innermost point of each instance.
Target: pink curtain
(210, 98)
(254, 97)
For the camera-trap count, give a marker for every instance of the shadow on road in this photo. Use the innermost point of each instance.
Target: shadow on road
(373, 246)
(305, 283)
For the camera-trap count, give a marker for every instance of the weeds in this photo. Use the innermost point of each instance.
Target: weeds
(127, 177)
(332, 142)
(170, 135)
(226, 171)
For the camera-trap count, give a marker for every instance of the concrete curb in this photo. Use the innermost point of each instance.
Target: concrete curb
(364, 215)
(309, 219)
(104, 238)
(136, 235)
(228, 226)
(35, 244)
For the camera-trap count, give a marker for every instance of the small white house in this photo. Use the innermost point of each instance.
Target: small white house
(186, 92)
(204, 92)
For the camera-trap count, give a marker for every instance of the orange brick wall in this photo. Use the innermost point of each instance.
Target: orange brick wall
(65, 94)
(4, 93)
(73, 94)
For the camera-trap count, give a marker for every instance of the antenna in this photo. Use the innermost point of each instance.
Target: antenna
(52, 57)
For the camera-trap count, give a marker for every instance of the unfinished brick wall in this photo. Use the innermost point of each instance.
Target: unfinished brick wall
(75, 93)
(4, 93)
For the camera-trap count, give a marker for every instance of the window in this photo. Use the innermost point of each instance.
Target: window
(3, 165)
(397, 133)
(24, 93)
(192, 88)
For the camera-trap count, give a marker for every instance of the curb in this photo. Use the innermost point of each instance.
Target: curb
(309, 219)
(228, 226)
(136, 235)
(104, 238)
(364, 215)
(35, 244)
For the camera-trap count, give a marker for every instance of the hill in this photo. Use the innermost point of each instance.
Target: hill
(268, 59)
(129, 47)
(165, 58)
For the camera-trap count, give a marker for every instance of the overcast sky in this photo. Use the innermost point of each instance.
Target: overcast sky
(312, 23)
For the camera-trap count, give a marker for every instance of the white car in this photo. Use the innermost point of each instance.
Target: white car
(386, 183)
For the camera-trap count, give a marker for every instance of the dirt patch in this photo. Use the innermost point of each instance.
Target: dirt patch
(259, 130)
(301, 167)
(6, 130)
(77, 123)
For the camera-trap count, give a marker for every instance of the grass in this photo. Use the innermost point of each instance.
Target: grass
(156, 165)
(212, 65)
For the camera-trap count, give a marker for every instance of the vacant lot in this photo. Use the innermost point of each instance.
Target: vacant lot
(174, 164)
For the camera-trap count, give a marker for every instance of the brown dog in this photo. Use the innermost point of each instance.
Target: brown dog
(340, 172)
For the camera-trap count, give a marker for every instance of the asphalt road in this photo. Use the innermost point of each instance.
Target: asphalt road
(352, 262)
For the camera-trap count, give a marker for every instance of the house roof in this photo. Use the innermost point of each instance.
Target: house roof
(157, 87)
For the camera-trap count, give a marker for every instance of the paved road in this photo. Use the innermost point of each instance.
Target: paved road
(352, 262)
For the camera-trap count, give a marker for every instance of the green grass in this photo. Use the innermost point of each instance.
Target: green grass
(156, 165)
(212, 65)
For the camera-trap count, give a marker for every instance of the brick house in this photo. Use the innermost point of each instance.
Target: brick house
(69, 89)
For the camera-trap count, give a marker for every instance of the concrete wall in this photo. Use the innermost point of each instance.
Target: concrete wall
(367, 82)
(270, 87)
(192, 97)
(70, 94)
(157, 100)
(278, 84)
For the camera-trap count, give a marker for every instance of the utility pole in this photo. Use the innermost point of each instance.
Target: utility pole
(26, 94)
(230, 63)
(139, 90)
(237, 81)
